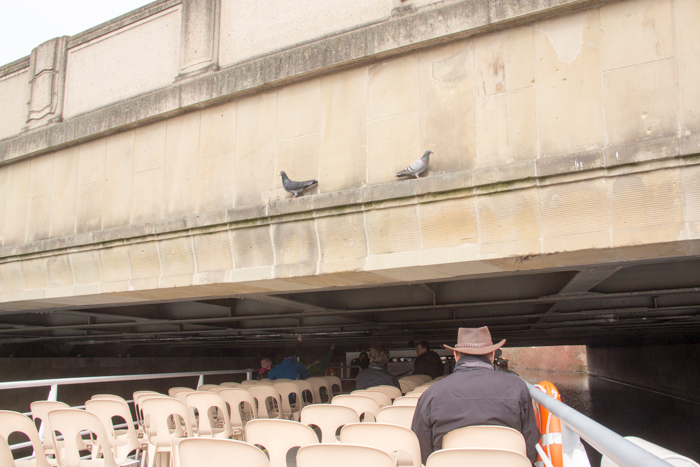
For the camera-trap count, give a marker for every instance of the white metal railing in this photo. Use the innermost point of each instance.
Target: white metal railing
(53, 384)
(606, 441)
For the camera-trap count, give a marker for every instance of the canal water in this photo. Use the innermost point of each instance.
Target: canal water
(667, 421)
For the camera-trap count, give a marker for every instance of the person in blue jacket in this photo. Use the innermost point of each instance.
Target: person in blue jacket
(289, 368)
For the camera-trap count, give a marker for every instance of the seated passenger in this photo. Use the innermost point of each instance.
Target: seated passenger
(288, 368)
(362, 361)
(474, 394)
(375, 374)
(428, 362)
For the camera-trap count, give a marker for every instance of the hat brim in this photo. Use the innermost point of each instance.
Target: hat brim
(477, 351)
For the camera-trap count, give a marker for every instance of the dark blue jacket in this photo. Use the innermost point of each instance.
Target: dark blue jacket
(289, 368)
(375, 375)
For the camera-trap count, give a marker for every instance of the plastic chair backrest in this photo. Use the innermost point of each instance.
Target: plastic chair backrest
(468, 456)
(139, 397)
(397, 414)
(249, 382)
(182, 395)
(361, 405)
(198, 452)
(289, 409)
(485, 436)
(204, 425)
(40, 410)
(70, 423)
(342, 455)
(421, 378)
(307, 391)
(406, 386)
(328, 418)
(11, 422)
(268, 399)
(406, 400)
(109, 397)
(206, 387)
(157, 411)
(411, 383)
(389, 438)
(392, 391)
(335, 384)
(105, 409)
(382, 399)
(278, 437)
(234, 397)
(6, 458)
(318, 382)
(175, 390)
(230, 384)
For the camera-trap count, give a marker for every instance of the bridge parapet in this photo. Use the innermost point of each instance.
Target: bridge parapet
(558, 141)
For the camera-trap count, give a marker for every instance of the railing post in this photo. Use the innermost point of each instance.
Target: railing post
(200, 382)
(250, 374)
(53, 393)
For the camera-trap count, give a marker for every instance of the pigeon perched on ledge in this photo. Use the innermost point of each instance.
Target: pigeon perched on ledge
(295, 187)
(418, 167)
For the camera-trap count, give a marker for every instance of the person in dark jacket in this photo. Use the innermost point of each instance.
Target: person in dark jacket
(427, 362)
(474, 394)
(289, 368)
(375, 374)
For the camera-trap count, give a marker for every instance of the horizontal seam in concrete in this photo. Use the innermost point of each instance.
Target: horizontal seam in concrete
(393, 37)
(133, 234)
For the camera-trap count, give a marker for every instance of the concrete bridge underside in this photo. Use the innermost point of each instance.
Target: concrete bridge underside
(143, 207)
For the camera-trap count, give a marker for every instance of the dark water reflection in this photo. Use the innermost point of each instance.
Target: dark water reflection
(666, 421)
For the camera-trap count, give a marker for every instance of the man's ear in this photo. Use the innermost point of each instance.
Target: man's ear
(457, 354)
(492, 356)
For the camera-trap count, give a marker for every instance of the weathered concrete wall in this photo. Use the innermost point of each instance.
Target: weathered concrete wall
(557, 142)
(669, 369)
(14, 91)
(125, 63)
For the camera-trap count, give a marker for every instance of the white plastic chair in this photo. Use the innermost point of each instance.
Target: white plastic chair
(318, 383)
(328, 418)
(229, 384)
(397, 414)
(335, 384)
(278, 437)
(392, 391)
(406, 400)
(407, 385)
(70, 423)
(200, 452)
(210, 408)
(342, 455)
(363, 405)
(485, 436)
(174, 390)
(11, 422)
(242, 407)
(381, 398)
(165, 418)
(290, 410)
(392, 439)
(123, 441)
(466, 456)
(40, 410)
(207, 387)
(268, 399)
(307, 392)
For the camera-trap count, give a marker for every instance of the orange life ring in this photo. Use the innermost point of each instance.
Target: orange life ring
(550, 427)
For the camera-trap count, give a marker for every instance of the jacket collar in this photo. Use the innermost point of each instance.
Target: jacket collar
(470, 362)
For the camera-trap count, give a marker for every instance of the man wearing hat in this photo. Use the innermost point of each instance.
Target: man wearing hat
(474, 394)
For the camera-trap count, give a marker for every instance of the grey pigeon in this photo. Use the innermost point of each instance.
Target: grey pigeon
(418, 167)
(295, 187)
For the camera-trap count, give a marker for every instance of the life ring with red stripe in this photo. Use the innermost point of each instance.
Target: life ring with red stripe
(550, 428)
